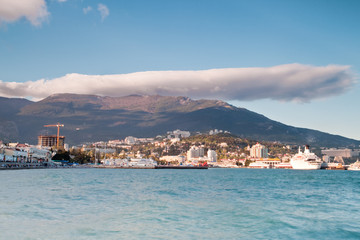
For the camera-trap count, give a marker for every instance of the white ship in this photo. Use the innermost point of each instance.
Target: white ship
(305, 160)
(354, 166)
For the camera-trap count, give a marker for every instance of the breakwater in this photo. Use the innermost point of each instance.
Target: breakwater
(17, 165)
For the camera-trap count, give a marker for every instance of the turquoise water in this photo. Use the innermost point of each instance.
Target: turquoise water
(179, 204)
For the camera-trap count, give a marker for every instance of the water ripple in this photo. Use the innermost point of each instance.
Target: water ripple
(172, 204)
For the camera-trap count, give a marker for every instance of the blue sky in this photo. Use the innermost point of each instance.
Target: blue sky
(142, 35)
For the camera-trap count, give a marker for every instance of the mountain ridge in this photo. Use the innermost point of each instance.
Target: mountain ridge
(93, 118)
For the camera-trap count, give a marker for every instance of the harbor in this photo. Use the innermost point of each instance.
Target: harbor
(147, 153)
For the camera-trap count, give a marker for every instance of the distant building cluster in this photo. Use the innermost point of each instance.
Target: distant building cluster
(178, 134)
(133, 140)
(198, 154)
(126, 143)
(24, 153)
(130, 153)
(216, 131)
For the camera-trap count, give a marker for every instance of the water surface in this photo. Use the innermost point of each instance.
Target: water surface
(179, 204)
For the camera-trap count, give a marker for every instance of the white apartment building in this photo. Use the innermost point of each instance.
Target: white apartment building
(258, 151)
(211, 154)
(195, 152)
(178, 134)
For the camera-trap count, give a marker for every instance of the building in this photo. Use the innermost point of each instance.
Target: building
(170, 159)
(212, 155)
(178, 134)
(25, 154)
(267, 163)
(195, 152)
(344, 153)
(215, 131)
(50, 141)
(130, 140)
(258, 151)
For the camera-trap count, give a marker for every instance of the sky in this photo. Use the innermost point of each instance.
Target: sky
(296, 62)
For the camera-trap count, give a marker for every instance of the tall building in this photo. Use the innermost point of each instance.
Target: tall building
(212, 155)
(50, 141)
(195, 152)
(258, 151)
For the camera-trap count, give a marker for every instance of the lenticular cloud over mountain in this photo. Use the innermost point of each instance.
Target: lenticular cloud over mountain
(291, 82)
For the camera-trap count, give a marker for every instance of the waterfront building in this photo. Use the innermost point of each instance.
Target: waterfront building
(267, 163)
(25, 154)
(258, 151)
(345, 152)
(227, 163)
(115, 162)
(142, 162)
(170, 159)
(130, 162)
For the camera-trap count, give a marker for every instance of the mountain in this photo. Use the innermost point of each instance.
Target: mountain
(93, 118)
(8, 110)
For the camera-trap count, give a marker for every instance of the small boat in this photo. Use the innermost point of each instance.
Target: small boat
(354, 166)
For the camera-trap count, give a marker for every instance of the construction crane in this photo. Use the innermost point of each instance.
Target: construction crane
(58, 125)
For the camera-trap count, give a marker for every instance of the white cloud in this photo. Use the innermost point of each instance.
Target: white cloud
(291, 82)
(87, 9)
(104, 11)
(33, 10)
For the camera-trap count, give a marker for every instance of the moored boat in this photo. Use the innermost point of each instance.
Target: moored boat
(305, 160)
(354, 166)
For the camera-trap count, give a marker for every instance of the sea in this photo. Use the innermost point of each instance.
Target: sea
(90, 203)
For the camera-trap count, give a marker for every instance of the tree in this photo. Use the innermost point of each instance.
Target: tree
(62, 155)
(247, 162)
(82, 158)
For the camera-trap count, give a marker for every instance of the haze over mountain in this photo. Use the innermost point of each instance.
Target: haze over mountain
(93, 118)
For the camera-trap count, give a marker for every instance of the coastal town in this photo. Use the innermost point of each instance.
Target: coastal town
(175, 149)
